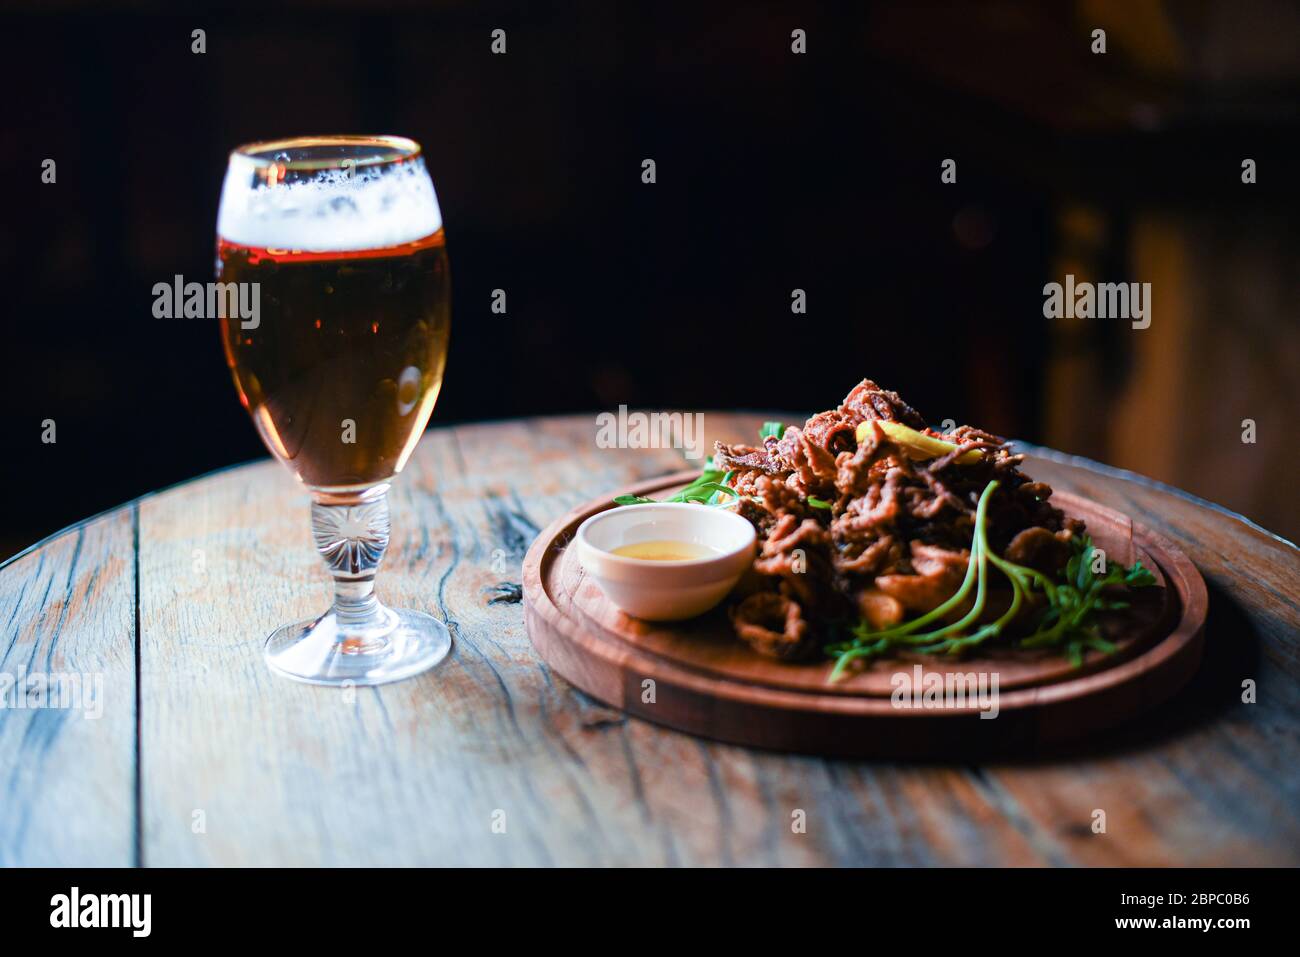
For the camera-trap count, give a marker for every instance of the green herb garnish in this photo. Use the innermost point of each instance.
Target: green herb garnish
(773, 429)
(703, 491)
(816, 502)
(1064, 623)
(1082, 591)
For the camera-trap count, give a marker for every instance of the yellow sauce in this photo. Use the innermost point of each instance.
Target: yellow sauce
(665, 551)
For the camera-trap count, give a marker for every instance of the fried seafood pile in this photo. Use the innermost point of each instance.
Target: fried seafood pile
(874, 529)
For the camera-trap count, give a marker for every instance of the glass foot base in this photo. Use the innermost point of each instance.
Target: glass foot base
(319, 652)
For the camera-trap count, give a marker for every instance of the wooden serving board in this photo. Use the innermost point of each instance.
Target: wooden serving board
(698, 677)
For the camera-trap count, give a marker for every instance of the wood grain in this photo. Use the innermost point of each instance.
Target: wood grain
(67, 760)
(412, 773)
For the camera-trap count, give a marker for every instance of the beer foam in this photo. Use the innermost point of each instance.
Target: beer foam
(334, 211)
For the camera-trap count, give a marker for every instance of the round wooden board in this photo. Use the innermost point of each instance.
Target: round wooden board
(698, 677)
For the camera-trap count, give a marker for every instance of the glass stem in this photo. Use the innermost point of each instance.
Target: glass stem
(355, 603)
(351, 531)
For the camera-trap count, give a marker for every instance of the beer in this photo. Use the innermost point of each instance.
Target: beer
(341, 372)
(344, 367)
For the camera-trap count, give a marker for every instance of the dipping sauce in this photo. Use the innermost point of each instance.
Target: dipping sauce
(665, 550)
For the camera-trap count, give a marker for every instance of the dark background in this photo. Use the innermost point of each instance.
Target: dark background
(775, 171)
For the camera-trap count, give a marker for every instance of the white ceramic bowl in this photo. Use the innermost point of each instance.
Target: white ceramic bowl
(658, 590)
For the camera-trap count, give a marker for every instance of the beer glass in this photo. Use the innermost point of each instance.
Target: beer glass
(340, 367)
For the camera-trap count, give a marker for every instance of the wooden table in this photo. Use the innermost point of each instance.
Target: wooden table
(202, 757)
